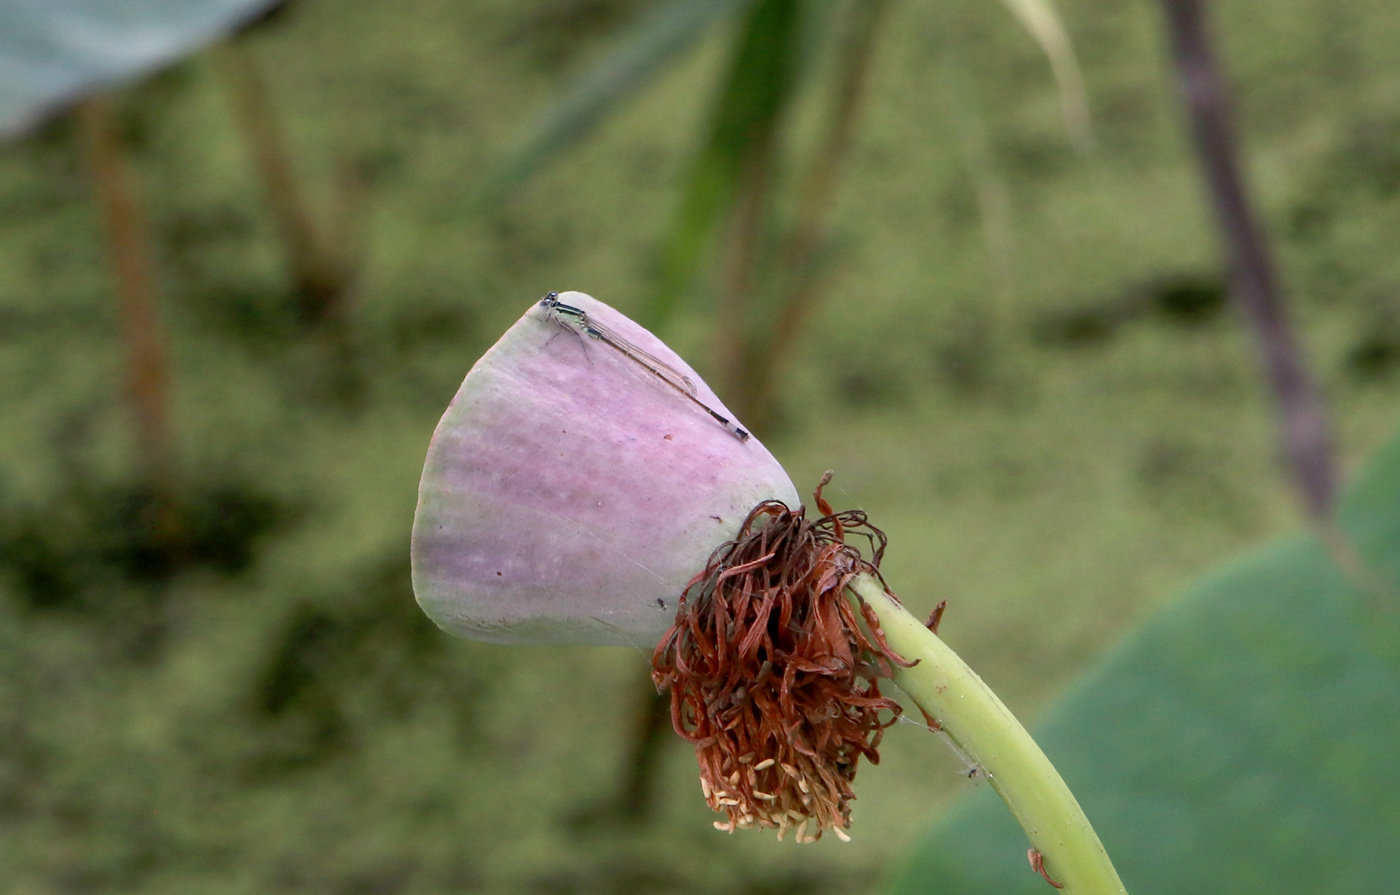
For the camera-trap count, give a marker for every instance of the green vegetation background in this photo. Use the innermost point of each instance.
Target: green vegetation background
(1056, 433)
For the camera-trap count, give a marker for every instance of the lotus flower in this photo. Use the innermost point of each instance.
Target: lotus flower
(586, 486)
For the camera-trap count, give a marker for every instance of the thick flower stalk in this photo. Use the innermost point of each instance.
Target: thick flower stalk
(772, 675)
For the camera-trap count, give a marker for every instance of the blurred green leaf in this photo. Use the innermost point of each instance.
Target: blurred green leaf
(762, 77)
(650, 43)
(1040, 18)
(1243, 740)
(54, 51)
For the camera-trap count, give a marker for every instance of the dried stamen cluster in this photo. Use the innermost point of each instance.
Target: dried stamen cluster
(772, 676)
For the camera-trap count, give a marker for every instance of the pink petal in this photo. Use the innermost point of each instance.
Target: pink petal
(569, 494)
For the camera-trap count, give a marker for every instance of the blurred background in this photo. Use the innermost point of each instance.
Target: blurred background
(237, 292)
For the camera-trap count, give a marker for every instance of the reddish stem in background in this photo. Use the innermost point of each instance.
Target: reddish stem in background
(133, 272)
(742, 256)
(815, 201)
(320, 272)
(1306, 432)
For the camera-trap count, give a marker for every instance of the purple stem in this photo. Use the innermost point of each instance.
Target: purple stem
(1306, 431)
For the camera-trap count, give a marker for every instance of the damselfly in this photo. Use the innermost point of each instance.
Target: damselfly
(668, 374)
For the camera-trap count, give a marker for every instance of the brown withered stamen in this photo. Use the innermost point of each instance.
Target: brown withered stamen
(772, 676)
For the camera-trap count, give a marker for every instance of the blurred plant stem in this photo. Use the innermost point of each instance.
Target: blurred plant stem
(748, 351)
(799, 261)
(1306, 432)
(743, 252)
(653, 723)
(760, 80)
(753, 144)
(984, 731)
(148, 380)
(320, 261)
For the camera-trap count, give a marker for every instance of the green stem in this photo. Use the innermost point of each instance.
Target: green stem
(979, 724)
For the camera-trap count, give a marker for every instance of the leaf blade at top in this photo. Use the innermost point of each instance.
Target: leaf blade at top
(55, 51)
